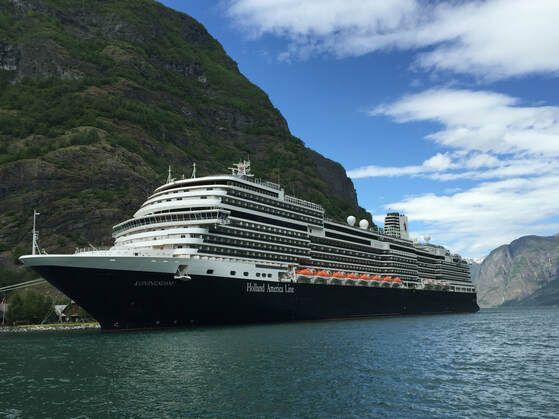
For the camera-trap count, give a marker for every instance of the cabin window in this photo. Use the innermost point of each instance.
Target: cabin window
(210, 271)
(245, 273)
(233, 273)
(258, 274)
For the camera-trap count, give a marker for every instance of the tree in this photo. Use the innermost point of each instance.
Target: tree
(28, 306)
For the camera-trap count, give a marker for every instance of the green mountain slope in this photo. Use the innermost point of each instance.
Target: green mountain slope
(97, 98)
(524, 272)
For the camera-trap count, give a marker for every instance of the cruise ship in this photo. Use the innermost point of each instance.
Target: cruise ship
(236, 249)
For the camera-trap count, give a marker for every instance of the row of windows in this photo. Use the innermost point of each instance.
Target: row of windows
(280, 204)
(264, 228)
(258, 236)
(233, 273)
(187, 185)
(190, 183)
(331, 249)
(329, 256)
(252, 188)
(254, 245)
(277, 212)
(196, 215)
(347, 238)
(345, 245)
(166, 199)
(272, 224)
(353, 232)
(245, 253)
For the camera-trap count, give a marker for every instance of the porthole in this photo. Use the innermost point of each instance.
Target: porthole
(210, 271)
(233, 273)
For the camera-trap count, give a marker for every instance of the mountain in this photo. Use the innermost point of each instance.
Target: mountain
(524, 272)
(97, 98)
(475, 267)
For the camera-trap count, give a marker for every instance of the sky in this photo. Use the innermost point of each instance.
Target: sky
(447, 111)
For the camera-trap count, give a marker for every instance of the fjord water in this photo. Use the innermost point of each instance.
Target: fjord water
(502, 363)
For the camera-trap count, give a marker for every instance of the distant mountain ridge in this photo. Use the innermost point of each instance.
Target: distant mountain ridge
(524, 272)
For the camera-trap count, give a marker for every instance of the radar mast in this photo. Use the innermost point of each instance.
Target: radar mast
(241, 169)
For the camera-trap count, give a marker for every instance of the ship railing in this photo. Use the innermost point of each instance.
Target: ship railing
(259, 181)
(91, 249)
(303, 203)
(218, 214)
(113, 251)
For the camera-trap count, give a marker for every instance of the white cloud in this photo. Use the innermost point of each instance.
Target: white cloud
(491, 39)
(481, 160)
(490, 214)
(470, 167)
(439, 162)
(492, 138)
(480, 120)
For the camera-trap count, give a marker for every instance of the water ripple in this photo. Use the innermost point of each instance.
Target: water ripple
(500, 363)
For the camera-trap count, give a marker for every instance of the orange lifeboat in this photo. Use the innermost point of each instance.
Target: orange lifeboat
(352, 276)
(387, 279)
(377, 278)
(305, 272)
(323, 273)
(338, 275)
(397, 279)
(365, 277)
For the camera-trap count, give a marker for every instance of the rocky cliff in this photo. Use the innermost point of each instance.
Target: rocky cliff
(524, 272)
(97, 98)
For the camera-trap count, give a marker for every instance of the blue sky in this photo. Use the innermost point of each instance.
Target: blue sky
(447, 111)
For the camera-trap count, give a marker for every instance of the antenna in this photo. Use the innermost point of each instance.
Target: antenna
(169, 176)
(35, 244)
(193, 171)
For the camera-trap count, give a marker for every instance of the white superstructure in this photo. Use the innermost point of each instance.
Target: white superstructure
(237, 218)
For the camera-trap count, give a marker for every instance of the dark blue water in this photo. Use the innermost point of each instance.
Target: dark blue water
(500, 363)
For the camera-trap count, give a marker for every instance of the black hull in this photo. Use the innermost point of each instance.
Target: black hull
(131, 299)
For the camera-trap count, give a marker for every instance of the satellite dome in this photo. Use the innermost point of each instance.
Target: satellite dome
(364, 224)
(351, 220)
(427, 238)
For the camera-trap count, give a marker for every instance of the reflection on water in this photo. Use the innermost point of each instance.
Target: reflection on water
(497, 362)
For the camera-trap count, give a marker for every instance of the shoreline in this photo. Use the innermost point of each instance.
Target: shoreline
(49, 327)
